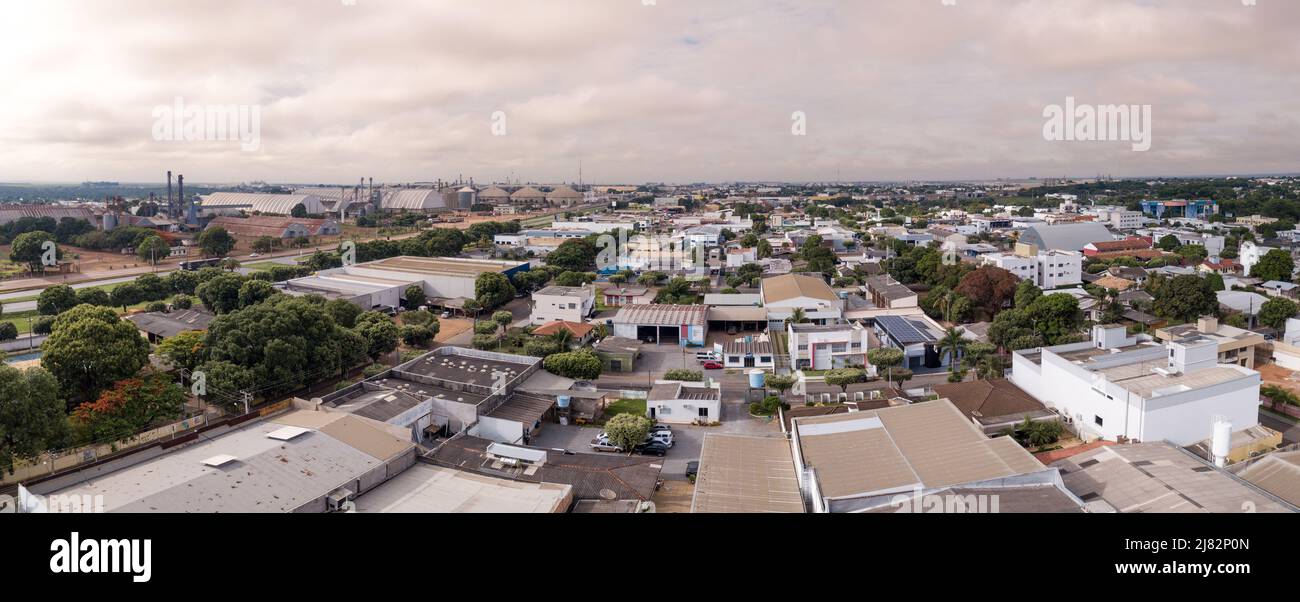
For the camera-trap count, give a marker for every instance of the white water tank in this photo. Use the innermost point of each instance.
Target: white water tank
(1221, 442)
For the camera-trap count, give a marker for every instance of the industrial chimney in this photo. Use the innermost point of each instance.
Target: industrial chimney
(171, 209)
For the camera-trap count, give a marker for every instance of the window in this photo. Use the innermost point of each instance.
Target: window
(1098, 420)
(704, 412)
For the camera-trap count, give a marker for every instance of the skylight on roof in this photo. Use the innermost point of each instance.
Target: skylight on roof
(218, 461)
(287, 433)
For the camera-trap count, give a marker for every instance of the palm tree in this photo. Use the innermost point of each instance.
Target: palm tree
(563, 338)
(953, 343)
(797, 316)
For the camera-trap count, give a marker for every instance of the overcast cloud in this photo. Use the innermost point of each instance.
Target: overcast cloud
(679, 91)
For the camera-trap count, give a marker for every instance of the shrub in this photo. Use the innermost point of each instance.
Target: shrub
(182, 302)
(156, 307)
(681, 374)
(582, 364)
(8, 331)
(374, 370)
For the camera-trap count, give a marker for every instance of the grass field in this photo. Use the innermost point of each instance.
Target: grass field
(625, 406)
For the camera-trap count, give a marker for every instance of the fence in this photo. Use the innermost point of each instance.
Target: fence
(56, 461)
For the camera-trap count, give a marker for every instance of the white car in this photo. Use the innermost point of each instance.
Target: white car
(251, 255)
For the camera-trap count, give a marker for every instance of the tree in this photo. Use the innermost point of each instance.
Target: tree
(626, 431)
(1168, 242)
(885, 358)
(574, 255)
(844, 377)
(493, 290)
(185, 350)
(253, 292)
(416, 336)
(581, 364)
(90, 348)
(1185, 298)
(32, 418)
(265, 244)
(415, 296)
(225, 382)
(782, 383)
(1275, 265)
(216, 242)
(1026, 293)
(504, 319)
(130, 406)
(221, 294)
(56, 300)
(797, 316)
(954, 344)
(153, 249)
(182, 282)
(343, 311)
(1055, 317)
(1276, 311)
(684, 375)
(379, 331)
(29, 248)
(989, 286)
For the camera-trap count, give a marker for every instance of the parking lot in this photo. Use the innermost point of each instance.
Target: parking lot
(687, 444)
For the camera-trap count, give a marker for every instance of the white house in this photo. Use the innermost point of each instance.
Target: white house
(1116, 386)
(814, 347)
(563, 304)
(782, 295)
(739, 257)
(747, 352)
(676, 402)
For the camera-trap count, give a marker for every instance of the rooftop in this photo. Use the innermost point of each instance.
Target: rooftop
(740, 474)
(167, 325)
(1161, 478)
(566, 291)
(662, 315)
(928, 445)
(793, 286)
(424, 488)
(443, 266)
(672, 390)
(987, 399)
(592, 476)
(1278, 474)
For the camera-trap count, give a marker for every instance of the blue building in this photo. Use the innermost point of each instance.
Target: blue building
(1201, 209)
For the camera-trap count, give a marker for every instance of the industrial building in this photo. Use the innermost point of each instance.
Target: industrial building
(1117, 387)
(684, 325)
(447, 281)
(275, 227)
(235, 203)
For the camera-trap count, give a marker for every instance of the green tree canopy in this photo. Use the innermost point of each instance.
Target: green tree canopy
(90, 348)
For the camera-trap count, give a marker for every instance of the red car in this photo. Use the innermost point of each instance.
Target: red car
(713, 366)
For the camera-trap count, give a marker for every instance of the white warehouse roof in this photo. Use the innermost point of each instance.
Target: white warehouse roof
(413, 200)
(280, 204)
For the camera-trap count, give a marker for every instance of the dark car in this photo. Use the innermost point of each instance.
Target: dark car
(653, 448)
(692, 468)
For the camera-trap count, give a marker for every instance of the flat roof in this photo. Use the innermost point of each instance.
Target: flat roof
(1161, 478)
(593, 476)
(443, 266)
(266, 475)
(742, 474)
(928, 445)
(429, 489)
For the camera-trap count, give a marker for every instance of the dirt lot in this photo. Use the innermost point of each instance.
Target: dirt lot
(1273, 374)
(452, 327)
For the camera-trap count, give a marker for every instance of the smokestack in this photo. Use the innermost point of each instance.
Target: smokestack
(171, 209)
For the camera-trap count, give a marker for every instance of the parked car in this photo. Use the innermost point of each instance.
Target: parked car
(692, 468)
(713, 366)
(653, 448)
(603, 445)
(661, 427)
(706, 356)
(446, 314)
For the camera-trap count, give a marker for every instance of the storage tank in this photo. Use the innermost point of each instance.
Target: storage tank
(467, 197)
(110, 221)
(1221, 442)
(757, 379)
(563, 401)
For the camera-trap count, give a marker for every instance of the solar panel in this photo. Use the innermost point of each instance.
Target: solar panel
(903, 330)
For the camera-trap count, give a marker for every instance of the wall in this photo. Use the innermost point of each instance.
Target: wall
(501, 431)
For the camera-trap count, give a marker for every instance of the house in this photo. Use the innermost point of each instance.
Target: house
(829, 346)
(886, 293)
(994, 405)
(741, 256)
(684, 325)
(563, 304)
(159, 326)
(747, 352)
(1222, 267)
(1106, 246)
(629, 295)
(1117, 387)
(782, 295)
(675, 402)
(581, 333)
(916, 336)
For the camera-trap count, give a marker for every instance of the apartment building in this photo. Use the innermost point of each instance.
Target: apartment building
(563, 304)
(1047, 270)
(826, 347)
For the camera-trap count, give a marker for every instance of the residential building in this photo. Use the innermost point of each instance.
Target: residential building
(616, 296)
(563, 304)
(917, 336)
(741, 256)
(1256, 220)
(1236, 346)
(677, 402)
(159, 326)
(995, 405)
(1120, 387)
(1111, 247)
(1047, 270)
(829, 346)
(747, 352)
(886, 293)
(782, 295)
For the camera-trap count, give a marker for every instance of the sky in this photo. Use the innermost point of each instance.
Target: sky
(641, 91)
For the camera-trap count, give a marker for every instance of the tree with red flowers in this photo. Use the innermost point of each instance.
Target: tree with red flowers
(990, 286)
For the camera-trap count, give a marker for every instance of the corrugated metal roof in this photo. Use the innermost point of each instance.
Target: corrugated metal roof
(280, 204)
(411, 199)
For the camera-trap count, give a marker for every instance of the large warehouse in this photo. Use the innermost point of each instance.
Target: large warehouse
(684, 325)
(232, 203)
(413, 199)
(447, 281)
